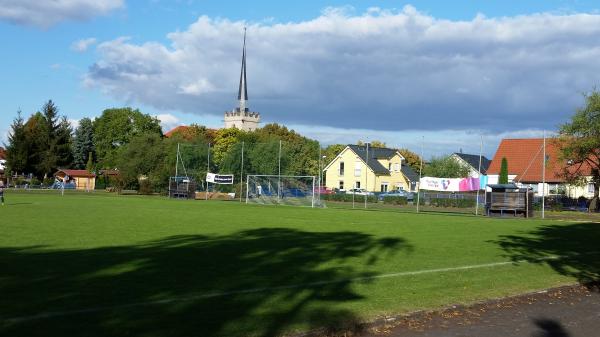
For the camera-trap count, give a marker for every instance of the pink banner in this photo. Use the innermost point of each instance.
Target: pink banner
(450, 184)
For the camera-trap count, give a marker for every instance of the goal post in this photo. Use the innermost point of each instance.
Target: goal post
(282, 190)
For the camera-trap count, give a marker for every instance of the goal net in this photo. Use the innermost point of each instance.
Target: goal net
(282, 190)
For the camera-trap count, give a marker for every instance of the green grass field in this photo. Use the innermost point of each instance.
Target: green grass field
(99, 264)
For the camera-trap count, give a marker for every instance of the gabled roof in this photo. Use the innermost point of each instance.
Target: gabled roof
(524, 158)
(374, 154)
(408, 172)
(473, 160)
(76, 173)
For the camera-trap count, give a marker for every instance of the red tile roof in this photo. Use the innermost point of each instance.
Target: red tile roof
(76, 173)
(2, 153)
(524, 157)
(181, 128)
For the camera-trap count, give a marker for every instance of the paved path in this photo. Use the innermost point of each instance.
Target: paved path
(562, 312)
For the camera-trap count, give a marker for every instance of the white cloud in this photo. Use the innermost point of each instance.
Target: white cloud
(382, 70)
(74, 123)
(433, 142)
(168, 121)
(83, 44)
(44, 14)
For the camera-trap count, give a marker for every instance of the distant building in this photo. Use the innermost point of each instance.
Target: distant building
(82, 179)
(524, 158)
(471, 161)
(241, 117)
(383, 170)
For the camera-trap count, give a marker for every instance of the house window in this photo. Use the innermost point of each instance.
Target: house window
(341, 170)
(357, 184)
(357, 169)
(397, 167)
(390, 167)
(384, 187)
(590, 188)
(341, 184)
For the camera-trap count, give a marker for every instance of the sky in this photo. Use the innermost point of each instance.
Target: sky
(433, 76)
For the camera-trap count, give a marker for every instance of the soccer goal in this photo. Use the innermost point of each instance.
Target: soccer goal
(282, 190)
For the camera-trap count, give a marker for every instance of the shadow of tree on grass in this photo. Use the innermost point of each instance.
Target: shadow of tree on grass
(260, 282)
(572, 249)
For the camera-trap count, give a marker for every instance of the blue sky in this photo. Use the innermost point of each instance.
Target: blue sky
(338, 71)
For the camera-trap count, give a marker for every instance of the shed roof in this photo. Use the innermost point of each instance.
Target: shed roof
(76, 173)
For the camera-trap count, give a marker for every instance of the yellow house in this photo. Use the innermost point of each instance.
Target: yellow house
(381, 171)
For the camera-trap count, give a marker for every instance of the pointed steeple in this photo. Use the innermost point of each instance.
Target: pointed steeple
(241, 117)
(243, 90)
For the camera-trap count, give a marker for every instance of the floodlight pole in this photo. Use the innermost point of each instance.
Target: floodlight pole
(479, 174)
(544, 178)
(319, 188)
(420, 173)
(367, 175)
(242, 174)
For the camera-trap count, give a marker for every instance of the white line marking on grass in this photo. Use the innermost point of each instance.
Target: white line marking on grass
(51, 314)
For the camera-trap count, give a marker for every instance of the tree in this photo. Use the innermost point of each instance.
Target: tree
(300, 155)
(17, 152)
(224, 140)
(330, 152)
(49, 140)
(194, 133)
(264, 158)
(37, 135)
(374, 143)
(503, 177)
(62, 145)
(142, 157)
(83, 143)
(445, 167)
(579, 140)
(412, 159)
(116, 127)
(90, 163)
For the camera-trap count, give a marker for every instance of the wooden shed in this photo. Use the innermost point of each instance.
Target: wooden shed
(82, 179)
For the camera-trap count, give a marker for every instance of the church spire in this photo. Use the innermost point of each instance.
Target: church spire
(243, 90)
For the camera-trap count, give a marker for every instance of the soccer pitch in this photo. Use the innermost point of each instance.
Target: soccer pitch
(99, 264)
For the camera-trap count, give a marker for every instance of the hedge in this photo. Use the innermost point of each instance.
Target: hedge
(395, 200)
(459, 203)
(347, 197)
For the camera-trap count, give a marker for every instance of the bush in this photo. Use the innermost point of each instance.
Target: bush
(145, 187)
(395, 200)
(347, 197)
(34, 181)
(48, 181)
(447, 202)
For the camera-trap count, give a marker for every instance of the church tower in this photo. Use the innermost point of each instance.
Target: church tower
(241, 117)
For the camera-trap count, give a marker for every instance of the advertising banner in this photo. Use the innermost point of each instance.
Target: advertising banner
(450, 184)
(225, 179)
